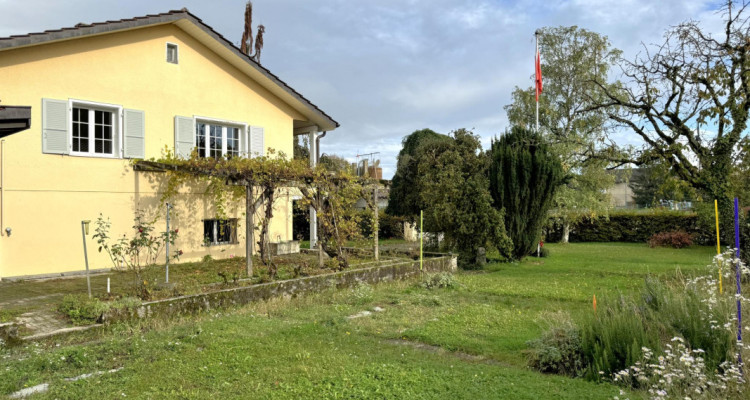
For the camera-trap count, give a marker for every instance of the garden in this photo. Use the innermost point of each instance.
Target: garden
(496, 329)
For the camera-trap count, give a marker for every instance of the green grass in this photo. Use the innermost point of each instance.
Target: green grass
(308, 348)
(17, 297)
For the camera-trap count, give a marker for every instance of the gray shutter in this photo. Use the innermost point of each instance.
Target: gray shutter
(55, 126)
(184, 136)
(134, 133)
(257, 141)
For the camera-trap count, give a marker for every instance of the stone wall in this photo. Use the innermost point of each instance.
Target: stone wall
(186, 305)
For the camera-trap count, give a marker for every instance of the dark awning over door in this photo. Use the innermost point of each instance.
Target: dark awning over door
(14, 119)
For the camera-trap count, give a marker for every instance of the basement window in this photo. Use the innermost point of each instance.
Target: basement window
(219, 231)
(172, 53)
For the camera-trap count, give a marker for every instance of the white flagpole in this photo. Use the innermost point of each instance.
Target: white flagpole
(536, 78)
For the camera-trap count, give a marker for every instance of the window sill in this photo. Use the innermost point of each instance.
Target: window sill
(87, 155)
(220, 244)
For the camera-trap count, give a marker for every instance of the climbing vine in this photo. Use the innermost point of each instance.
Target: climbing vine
(258, 181)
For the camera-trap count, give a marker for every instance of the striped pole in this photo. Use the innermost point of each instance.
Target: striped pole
(737, 275)
(718, 245)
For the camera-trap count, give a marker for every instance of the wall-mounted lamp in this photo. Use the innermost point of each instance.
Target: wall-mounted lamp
(7, 231)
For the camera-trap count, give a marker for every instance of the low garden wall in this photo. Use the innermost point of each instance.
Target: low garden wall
(186, 305)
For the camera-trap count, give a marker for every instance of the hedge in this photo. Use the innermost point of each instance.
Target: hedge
(390, 227)
(628, 226)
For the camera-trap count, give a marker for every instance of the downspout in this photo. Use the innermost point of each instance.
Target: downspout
(2, 186)
(317, 147)
(2, 192)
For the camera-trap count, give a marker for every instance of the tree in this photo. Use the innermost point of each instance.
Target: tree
(246, 43)
(333, 197)
(524, 175)
(404, 199)
(301, 151)
(454, 190)
(739, 178)
(572, 59)
(655, 182)
(334, 163)
(693, 79)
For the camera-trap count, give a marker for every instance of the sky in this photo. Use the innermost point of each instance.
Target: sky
(385, 68)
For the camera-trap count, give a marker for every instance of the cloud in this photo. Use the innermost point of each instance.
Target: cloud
(386, 68)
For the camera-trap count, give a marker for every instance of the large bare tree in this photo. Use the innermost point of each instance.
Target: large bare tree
(687, 99)
(246, 43)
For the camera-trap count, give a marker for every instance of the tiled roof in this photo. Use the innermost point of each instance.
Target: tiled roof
(97, 28)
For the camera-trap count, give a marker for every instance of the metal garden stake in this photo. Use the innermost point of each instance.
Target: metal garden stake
(168, 236)
(84, 232)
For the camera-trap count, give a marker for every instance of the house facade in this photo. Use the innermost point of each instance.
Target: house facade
(107, 93)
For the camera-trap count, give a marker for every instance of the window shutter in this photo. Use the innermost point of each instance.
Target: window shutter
(184, 136)
(55, 126)
(244, 132)
(134, 134)
(257, 141)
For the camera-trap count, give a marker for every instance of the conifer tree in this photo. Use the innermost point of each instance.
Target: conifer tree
(524, 176)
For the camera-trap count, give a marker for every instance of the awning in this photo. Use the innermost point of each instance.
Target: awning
(14, 119)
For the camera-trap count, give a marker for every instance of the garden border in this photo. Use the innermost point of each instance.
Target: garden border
(193, 304)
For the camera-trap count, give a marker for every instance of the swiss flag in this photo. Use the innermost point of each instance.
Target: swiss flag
(538, 76)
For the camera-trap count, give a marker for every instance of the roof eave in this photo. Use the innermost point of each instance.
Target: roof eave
(265, 77)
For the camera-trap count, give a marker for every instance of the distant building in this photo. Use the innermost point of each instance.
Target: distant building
(621, 195)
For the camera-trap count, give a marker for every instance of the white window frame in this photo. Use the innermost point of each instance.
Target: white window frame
(215, 228)
(242, 126)
(117, 124)
(177, 53)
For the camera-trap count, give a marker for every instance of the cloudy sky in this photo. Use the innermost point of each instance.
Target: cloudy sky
(384, 68)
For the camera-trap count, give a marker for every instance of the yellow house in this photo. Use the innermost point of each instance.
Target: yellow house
(105, 93)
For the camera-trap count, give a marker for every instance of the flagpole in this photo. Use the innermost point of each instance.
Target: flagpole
(536, 87)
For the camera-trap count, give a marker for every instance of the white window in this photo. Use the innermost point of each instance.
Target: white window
(85, 128)
(172, 53)
(217, 141)
(95, 129)
(219, 231)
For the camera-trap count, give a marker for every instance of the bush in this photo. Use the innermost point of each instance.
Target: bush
(83, 310)
(675, 239)
(558, 351)
(613, 337)
(390, 227)
(439, 280)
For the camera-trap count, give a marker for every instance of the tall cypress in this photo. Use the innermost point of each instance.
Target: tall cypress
(524, 175)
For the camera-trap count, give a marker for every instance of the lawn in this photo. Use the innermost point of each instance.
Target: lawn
(466, 342)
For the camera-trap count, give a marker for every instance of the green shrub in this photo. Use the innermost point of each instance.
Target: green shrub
(440, 280)
(559, 350)
(689, 308)
(83, 310)
(612, 338)
(675, 239)
(390, 226)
